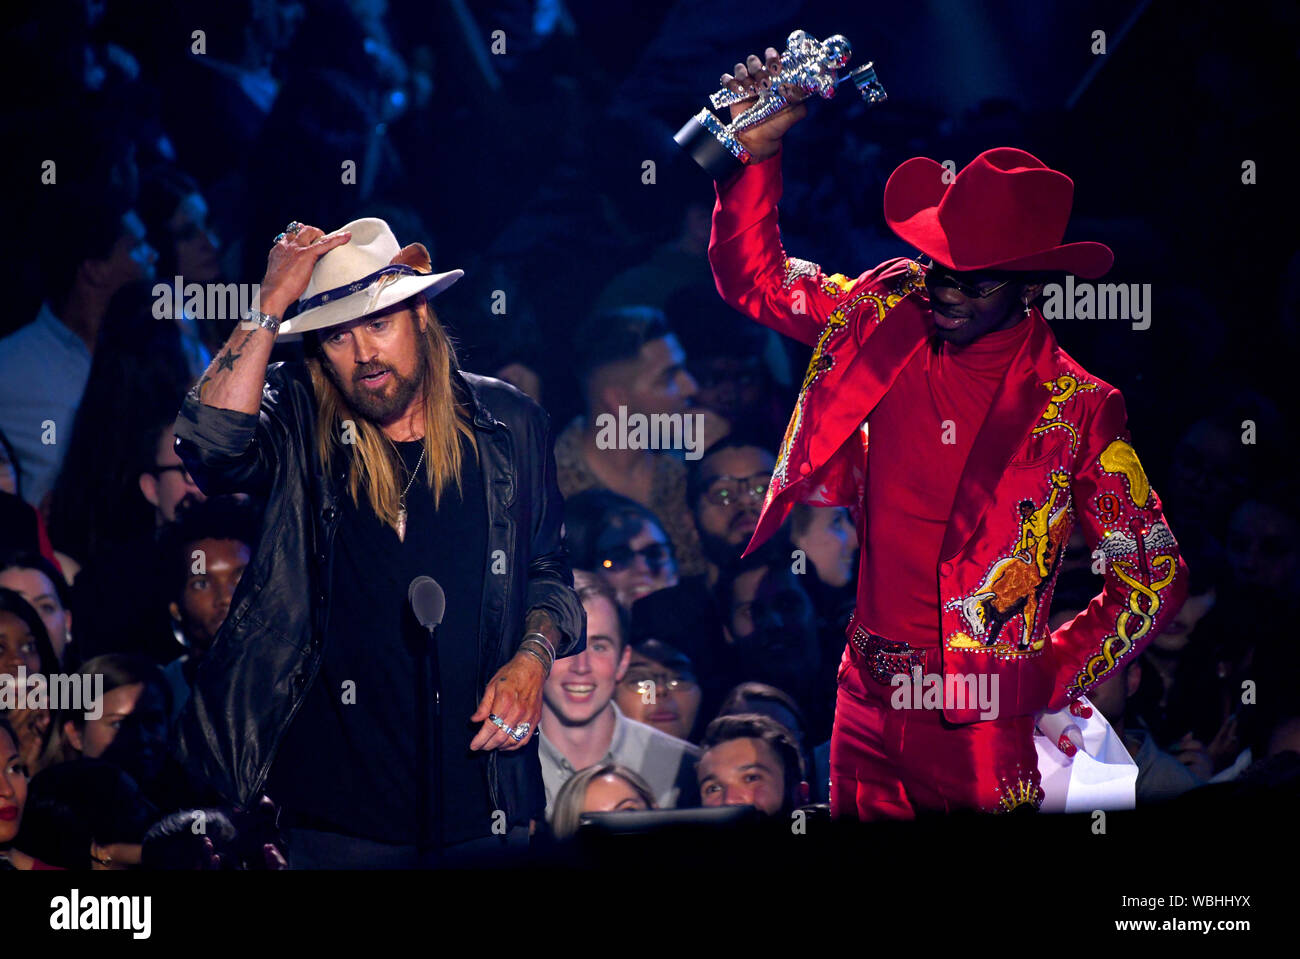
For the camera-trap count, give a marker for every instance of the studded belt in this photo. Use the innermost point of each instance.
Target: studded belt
(886, 658)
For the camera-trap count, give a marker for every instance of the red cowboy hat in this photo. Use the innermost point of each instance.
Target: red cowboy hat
(1005, 211)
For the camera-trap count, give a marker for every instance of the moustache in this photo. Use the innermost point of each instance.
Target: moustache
(361, 372)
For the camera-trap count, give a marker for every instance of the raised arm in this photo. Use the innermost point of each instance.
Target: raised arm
(750, 266)
(227, 427)
(235, 378)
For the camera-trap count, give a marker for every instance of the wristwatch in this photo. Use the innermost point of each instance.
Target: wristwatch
(266, 321)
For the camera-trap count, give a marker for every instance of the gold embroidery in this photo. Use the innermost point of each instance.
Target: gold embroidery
(822, 360)
(1063, 388)
(1022, 792)
(1014, 585)
(1133, 622)
(1119, 457)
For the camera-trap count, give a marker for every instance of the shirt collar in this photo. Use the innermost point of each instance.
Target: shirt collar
(620, 732)
(553, 753)
(550, 752)
(57, 328)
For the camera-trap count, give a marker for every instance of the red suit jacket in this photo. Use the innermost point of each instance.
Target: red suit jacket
(1054, 450)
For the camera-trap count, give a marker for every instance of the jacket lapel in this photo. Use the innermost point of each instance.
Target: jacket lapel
(1017, 404)
(836, 402)
(871, 369)
(493, 438)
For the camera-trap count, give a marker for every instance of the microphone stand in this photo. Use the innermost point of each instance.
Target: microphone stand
(429, 678)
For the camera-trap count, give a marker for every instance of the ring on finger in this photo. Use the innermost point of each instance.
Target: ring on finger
(497, 721)
(293, 228)
(279, 238)
(520, 732)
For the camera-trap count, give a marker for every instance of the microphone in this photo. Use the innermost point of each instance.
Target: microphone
(428, 601)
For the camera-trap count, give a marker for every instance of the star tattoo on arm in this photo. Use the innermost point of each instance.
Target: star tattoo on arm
(225, 361)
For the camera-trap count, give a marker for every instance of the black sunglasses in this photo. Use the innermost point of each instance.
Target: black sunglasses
(938, 276)
(656, 556)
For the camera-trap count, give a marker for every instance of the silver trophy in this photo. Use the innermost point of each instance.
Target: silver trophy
(807, 65)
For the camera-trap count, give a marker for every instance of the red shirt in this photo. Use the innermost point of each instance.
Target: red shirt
(919, 436)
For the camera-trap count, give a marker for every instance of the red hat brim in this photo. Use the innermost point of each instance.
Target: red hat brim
(912, 196)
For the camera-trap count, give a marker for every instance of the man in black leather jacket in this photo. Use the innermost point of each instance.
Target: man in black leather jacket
(378, 431)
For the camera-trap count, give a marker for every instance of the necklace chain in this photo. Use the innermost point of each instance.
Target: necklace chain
(414, 473)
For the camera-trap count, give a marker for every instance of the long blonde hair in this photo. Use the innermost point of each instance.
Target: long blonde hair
(567, 811)
(375, 462)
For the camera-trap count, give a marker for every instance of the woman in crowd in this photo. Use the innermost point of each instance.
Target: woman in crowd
(39, 582)
(605, 787)
(25, 650)
(132, 726)
(661, 690)
(830, 547)
(621, 541)
(13, 797)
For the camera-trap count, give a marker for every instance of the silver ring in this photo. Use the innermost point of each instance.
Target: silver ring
(279, 238)
(295, 228)
(498, 722)
(520, 732)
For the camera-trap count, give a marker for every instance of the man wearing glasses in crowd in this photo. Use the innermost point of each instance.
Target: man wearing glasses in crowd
(725, 490)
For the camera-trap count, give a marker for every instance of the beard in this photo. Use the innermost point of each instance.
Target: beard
(718, 551)
(384, 406)
(726, 555)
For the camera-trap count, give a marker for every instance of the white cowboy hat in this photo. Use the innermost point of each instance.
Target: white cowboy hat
(367, 274)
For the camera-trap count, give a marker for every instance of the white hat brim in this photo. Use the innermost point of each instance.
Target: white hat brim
(364, 302)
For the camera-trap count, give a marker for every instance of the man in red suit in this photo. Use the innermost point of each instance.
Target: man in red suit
(987, 444)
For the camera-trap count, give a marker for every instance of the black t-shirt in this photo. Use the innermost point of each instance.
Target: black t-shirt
(350, 760)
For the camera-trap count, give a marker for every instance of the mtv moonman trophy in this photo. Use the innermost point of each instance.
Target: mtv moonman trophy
(806, 65)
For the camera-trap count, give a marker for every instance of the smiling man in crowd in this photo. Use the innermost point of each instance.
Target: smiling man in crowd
(582, 725)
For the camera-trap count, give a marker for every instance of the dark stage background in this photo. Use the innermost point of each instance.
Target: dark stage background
(525, 169)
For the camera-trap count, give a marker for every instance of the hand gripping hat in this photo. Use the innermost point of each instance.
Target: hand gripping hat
(367, 274)
(1005, 211)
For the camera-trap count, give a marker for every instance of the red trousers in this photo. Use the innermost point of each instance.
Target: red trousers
(891, 763)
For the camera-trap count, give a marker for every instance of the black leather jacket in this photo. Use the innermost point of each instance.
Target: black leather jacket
(253, 680)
